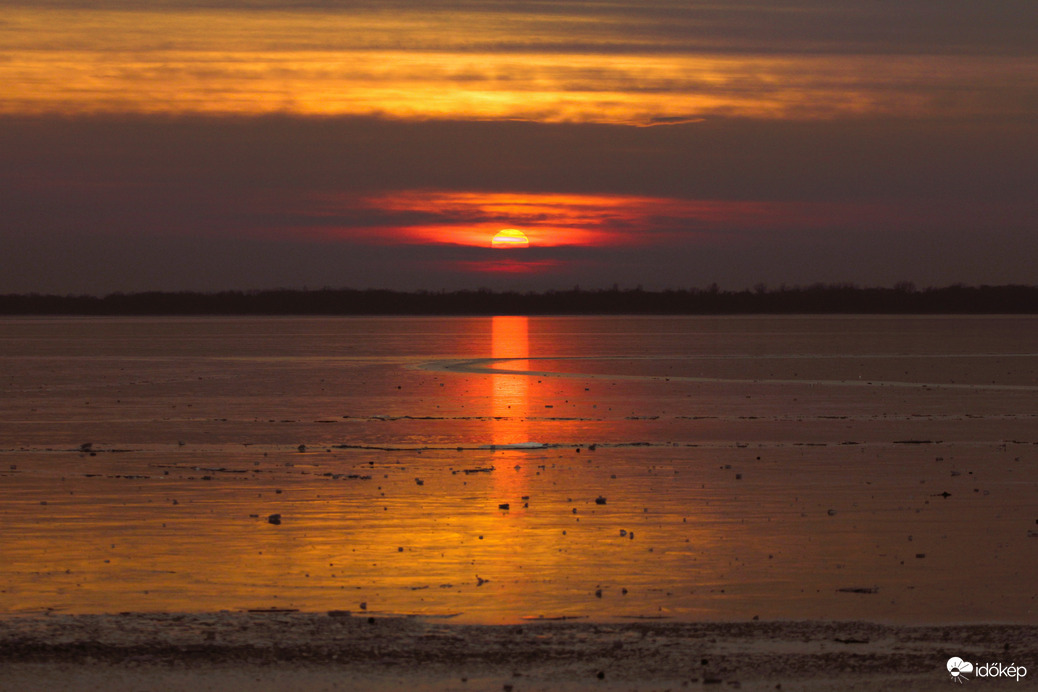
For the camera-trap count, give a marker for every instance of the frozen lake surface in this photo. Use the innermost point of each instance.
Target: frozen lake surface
(501, 469)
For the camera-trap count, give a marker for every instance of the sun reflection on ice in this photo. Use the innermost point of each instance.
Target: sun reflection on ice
(510, 394)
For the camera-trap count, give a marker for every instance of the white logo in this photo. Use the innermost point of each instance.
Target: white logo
(957, 667)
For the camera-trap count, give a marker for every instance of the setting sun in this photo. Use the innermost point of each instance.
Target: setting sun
(510, 237)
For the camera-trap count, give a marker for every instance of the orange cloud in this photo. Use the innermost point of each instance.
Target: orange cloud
(460, 65)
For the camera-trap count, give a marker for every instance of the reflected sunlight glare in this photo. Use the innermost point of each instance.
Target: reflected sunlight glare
(510, 393)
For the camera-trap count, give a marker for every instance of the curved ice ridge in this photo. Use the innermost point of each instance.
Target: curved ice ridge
(485, 366)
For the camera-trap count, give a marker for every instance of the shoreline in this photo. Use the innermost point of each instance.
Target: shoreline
(293, 650)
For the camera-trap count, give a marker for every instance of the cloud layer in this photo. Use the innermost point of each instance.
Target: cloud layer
(571, 62)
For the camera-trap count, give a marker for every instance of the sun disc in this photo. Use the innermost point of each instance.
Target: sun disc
(510, 237)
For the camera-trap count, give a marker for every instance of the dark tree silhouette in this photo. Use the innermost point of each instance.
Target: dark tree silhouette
(903, 298)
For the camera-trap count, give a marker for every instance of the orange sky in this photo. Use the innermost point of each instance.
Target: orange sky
(208, 144)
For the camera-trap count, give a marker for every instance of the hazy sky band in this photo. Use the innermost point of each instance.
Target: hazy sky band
(103, 204)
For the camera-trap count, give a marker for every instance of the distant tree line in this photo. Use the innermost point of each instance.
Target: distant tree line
(903, 298)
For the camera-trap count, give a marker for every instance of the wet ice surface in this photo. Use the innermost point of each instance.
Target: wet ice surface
(508, 469)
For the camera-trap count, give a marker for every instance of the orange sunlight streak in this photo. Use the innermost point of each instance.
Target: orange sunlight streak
(510, 395)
